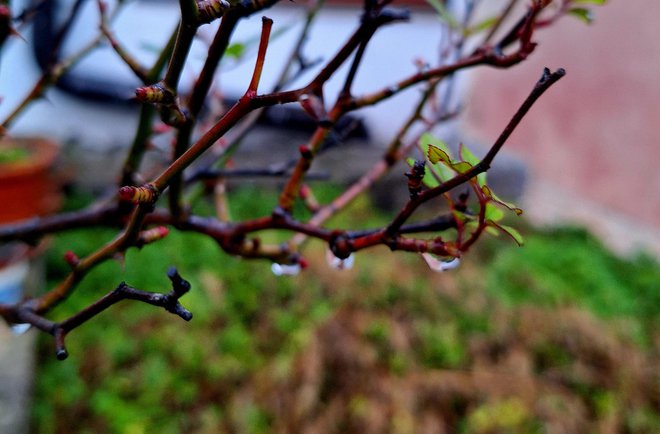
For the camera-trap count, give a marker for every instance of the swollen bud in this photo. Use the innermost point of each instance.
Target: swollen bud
(209, 10)
(71, 258)
(145, 194)
(153, 234)
(154, 94)
(305, 151)
(313, 106)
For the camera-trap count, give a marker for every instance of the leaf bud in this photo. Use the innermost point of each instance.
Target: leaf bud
(154, 94)
(71, 258)
(153, 234)
(145, 194)
(209, 10)
(305, 151)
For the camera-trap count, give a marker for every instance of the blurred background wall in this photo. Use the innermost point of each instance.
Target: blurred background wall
(592, 143)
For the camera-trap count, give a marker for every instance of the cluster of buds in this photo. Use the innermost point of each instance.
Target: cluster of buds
(415, 178)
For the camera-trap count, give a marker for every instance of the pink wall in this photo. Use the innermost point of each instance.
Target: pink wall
(596, 134)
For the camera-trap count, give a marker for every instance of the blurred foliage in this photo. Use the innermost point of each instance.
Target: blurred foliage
(570, 267)
(559, 334)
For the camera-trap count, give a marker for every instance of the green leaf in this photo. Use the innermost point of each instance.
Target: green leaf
(469, 157)
(480, 26)
(235, 50)
(582, 14)
(444, 13)
(429, 139)
(461, 166)
(466, 219)
(513, 233)
(590, 2)
(442, 172)
(436, 154)
(493, 213)
(490, 194)
(437, 151)
(492, 231)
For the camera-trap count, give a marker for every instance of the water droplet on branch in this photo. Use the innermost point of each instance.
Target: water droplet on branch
(285, 269)
(439, 265)
(339, 264)
(19, 329)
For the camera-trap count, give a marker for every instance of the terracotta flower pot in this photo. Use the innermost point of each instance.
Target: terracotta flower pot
(28, 187)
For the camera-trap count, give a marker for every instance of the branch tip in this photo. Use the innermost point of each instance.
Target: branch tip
(61, 354)
(179, 285)
(60, 349)
(266, 26)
